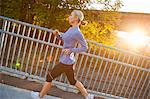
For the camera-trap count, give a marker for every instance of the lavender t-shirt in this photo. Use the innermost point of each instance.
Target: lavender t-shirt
(70, 38)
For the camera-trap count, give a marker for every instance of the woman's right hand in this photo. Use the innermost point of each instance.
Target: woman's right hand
(56, 32)
(66, 52)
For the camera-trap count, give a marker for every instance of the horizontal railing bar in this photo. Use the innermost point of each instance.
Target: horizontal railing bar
(88, 54)
(32, 39)
(117, 49)
(114, 61)
(27, 24)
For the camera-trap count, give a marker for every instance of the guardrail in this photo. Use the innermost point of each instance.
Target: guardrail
(30, 50)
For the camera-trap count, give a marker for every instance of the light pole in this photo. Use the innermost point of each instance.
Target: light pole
(0, 7)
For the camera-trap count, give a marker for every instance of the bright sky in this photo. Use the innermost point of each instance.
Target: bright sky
(141, 6)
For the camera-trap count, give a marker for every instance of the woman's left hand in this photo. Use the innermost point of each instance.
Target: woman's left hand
(66, 52)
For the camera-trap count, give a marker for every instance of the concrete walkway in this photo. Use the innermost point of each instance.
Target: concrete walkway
(34, 86)
(11, 92)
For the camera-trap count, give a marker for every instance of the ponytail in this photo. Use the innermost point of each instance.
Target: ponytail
(83, 23)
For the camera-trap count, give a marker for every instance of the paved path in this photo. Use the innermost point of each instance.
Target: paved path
(35, 86)
(11, 92)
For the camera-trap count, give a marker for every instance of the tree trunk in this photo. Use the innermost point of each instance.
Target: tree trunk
(0, 7)
(23, 10)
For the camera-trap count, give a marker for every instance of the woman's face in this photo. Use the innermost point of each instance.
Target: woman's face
(72, 18)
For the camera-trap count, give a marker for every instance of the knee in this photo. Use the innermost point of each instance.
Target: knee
(73, 82)
(49, 77)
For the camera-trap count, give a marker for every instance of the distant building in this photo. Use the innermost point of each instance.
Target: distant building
(132, 21)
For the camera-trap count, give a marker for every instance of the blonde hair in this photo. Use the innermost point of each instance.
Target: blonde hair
(80, 15)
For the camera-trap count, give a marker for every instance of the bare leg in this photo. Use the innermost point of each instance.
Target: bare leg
(45, 89)
(80, 86)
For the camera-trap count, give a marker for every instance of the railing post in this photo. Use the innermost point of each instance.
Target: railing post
(2, 34)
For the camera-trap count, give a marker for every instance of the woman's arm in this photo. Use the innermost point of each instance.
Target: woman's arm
(83, 43)
(83, 47)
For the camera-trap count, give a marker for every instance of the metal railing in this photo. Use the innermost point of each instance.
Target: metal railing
(30, 51)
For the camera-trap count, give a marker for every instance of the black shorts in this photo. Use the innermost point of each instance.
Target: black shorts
(58, 70)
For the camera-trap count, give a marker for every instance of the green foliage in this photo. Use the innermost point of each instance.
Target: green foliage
(101, 26)
(11, 8)
(48, 18)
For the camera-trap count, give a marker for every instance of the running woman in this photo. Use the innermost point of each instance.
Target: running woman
(67, 59)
